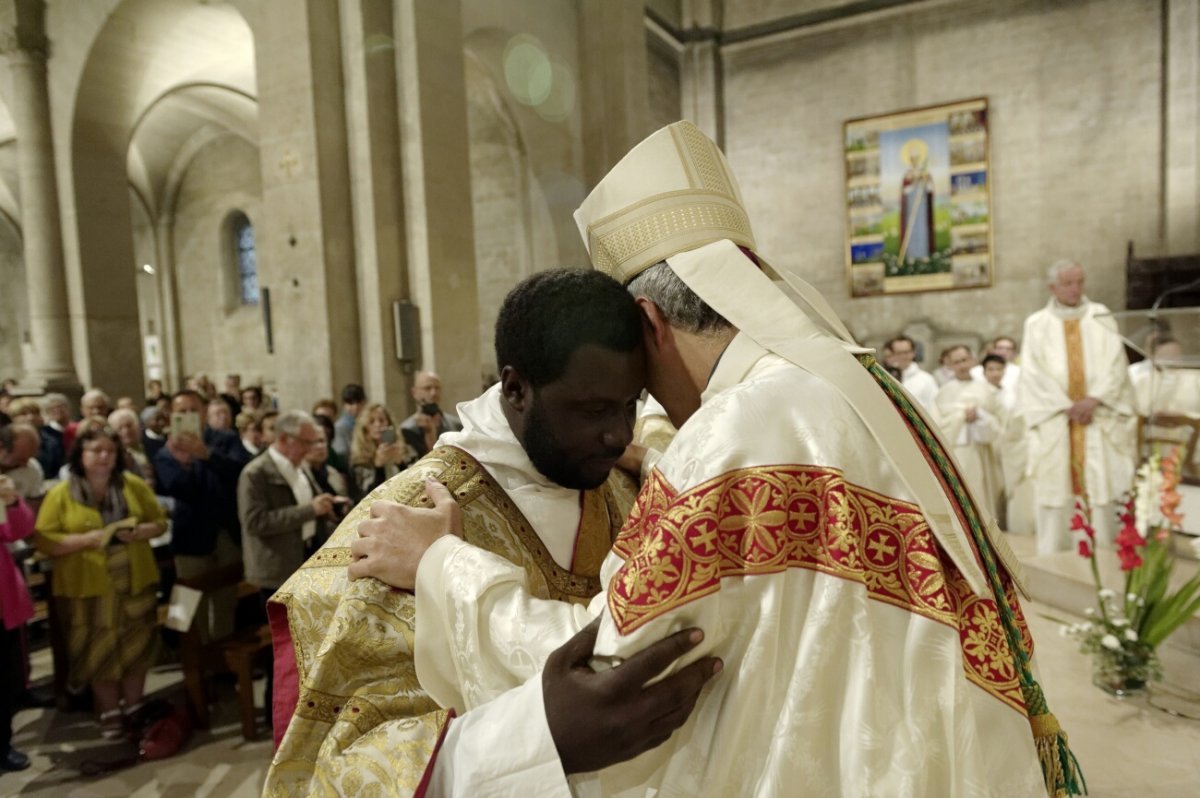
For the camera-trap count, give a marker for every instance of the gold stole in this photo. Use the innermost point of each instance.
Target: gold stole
(362, 722)
(1076, 390)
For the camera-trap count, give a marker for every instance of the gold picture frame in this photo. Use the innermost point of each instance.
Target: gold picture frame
(918, 200)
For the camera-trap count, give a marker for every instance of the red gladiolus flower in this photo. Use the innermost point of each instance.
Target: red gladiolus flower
(1129, 559)
(1084, 549)
(1128, 542)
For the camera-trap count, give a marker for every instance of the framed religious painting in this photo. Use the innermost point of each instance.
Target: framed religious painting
(918, 200)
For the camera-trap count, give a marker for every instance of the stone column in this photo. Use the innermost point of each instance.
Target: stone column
(436, 172)
(306, 237)
(1181, 127)
(700, 73)
(49, 362)
(164, 233)
(616, 112)
(373, 136)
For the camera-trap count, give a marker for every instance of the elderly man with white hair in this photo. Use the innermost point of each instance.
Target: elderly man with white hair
(1075, 399)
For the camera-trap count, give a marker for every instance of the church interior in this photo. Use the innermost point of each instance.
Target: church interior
(315, 194)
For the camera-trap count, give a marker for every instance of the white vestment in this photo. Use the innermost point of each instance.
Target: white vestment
(1008, 382)
(920, 383)
(858, 661)
(973, 441)
(1105, 446)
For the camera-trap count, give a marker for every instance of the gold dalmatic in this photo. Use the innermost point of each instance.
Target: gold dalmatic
(362, 723)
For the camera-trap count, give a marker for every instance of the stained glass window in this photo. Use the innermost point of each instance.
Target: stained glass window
(247, 259)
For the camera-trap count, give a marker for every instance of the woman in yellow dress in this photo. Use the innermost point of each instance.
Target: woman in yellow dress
(105, 583)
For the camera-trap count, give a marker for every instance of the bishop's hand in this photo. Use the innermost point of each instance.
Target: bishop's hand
(392, 541)
(600, 718)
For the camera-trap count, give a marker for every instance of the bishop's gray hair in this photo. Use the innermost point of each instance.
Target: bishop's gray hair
(680, 306)
(291, 422)
(1058, 267)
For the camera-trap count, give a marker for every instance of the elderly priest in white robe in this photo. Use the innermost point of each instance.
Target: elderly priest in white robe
(1075, 398)
(805, 516)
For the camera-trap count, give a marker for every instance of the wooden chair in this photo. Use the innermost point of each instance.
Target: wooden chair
(237, 653)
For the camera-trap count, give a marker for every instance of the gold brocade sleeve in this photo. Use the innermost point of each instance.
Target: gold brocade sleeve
(362, 724)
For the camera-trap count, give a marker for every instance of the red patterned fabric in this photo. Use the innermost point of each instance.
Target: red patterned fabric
(678, 547)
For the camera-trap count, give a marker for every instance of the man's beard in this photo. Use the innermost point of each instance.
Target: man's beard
(547, 455)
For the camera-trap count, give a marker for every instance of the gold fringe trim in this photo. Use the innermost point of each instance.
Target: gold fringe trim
(1061, 770)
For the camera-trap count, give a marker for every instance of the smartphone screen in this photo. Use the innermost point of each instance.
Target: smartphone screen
(389, 435)
(185, 422)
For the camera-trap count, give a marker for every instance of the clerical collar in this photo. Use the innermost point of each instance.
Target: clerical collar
(1066, 311)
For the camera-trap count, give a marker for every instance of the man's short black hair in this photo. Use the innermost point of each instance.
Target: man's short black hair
(993, 359)
(353, 394)
(553, 313)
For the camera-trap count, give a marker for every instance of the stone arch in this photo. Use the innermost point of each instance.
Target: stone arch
(186, 44)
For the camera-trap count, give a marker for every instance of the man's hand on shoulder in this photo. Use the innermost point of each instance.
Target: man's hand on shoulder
(392, 541)
(600, 718)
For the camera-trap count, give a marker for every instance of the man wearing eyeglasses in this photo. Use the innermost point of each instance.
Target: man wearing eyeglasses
(280, 506)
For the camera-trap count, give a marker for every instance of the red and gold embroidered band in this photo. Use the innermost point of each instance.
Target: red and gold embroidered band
(679, 546)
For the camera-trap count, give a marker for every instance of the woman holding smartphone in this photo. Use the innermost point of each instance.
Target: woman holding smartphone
(377, 452)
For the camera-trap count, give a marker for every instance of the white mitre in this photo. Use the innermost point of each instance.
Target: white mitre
(673, 198)
(695, 201)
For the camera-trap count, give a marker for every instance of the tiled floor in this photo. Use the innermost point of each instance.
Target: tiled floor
(216, 763)
(1127, 748)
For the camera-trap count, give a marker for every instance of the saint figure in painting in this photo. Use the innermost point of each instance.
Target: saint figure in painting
(916, 203)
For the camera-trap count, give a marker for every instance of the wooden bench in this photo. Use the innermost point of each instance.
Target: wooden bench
(236, 653)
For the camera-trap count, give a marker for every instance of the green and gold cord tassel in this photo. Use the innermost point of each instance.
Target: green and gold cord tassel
(1059, 766)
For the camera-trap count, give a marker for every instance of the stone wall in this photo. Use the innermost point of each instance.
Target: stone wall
(218, 334)
(1074, 105)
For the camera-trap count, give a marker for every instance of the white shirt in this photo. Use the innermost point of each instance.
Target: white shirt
(301, 481)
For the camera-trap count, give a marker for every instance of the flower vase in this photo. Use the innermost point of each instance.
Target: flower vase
(1125, 671)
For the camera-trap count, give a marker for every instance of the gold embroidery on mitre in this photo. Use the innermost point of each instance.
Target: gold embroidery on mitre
(702, 160)
(703, 208)
(627, 242)
(678, 547)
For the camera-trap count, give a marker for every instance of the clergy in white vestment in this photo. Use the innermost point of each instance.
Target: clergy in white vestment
(971, 417)
(902, 352)
(1075, 399)
(1004, 348)
(806, 516)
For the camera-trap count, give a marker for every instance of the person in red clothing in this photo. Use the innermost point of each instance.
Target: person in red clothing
(16, 608)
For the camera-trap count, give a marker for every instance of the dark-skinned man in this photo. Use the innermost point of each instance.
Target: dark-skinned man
(533, 473)
(806, 516)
